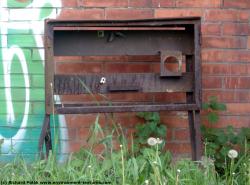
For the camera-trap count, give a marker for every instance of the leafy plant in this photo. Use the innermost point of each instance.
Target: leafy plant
(120, 167)
(219, 141)
(150, 128)
(212, 107)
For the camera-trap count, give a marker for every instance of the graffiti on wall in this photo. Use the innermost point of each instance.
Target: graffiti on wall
(21, 74)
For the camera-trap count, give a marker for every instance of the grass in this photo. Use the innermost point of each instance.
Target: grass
(121, 166)
(124, 165)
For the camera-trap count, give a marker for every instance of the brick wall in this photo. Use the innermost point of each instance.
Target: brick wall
(225, 53)
(225, 58)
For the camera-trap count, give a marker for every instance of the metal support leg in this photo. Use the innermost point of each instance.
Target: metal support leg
(45, 136)
(195, 134)
(48, 139)
(197, 127)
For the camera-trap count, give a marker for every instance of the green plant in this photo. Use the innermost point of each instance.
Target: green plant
(118, 166)
(219, 141)
(151, 127)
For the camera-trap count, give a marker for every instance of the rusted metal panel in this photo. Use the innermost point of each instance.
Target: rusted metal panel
(145, 82)
(175, 37)
(123, 108)
(197, 63)
(149, 42)
(166, 22)
(49, 71)
(165, 55)
(118, 28)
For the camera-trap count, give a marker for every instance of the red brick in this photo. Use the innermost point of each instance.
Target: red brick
(225, 69)
(72, 133)
(238, 108)
(243, 96)
(125, 67)
(212, 82)
(82, 121)
(169, 136)
(103, 3)
(222, 95)
(84, 133)
(236, 3)
(177, 121)
(213, 69)
(181, 134)
(170, 97)
(248, 42)
(244, 16)
(128, 120)
(82, 98)
(79, 14)
(224, 42)
(235, 121)
(139, 97)
(68, 58)
(72, 68)
(225, 56)
(75, 146)
(129, 13)
(179, 148)
(228, 96)
(221, 15)
(199, 3)
(237, 82)
(211, 29)
(235, 29)
(240, 69)
(130, 97)
(163, 3)
(170, 13)
(140, 3)
(69, 3)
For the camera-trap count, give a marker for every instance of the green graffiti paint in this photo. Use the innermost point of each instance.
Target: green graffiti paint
(18, 4)
(22, 76)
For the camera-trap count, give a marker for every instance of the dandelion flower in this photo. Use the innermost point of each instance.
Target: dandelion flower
(232, 154)
(178, 171)
(152, 141)
(120, 146)
(89, 166)
(146, 181)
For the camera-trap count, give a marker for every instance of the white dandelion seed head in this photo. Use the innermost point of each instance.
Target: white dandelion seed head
(233, 173)
(152, 141)
(146, 181)
(89, 166)
(120, 146)
(178, 171)
(159, 141)
(232, 154)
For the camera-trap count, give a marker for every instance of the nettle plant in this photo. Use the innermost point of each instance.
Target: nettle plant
(218, 142)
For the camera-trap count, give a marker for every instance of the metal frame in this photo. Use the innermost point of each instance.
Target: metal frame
(188, 82)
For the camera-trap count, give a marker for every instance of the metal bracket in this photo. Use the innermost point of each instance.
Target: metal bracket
(165, 55)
